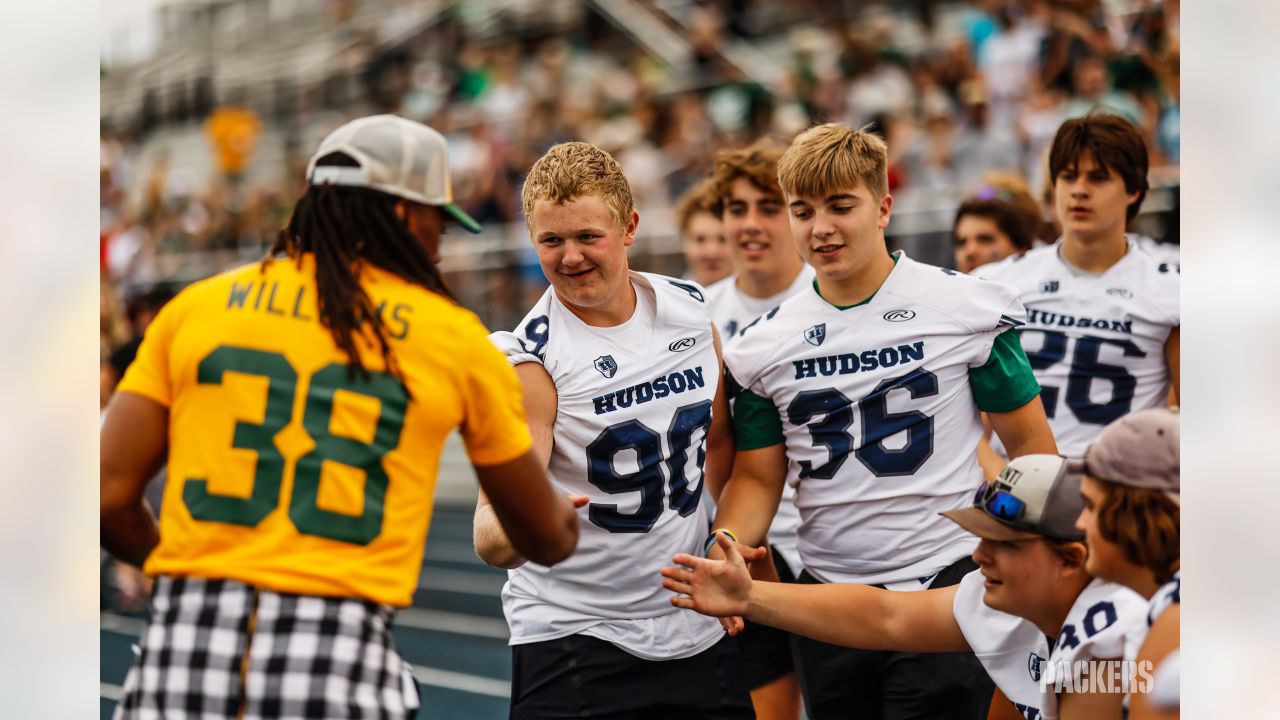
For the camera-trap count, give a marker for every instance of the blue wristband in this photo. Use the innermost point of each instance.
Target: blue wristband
(711, 540)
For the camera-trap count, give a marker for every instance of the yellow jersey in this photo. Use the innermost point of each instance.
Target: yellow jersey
(286, 472)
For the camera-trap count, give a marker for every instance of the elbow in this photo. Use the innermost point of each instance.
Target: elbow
(493, 551)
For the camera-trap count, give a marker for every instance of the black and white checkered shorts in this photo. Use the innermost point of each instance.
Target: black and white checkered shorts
(220, 648)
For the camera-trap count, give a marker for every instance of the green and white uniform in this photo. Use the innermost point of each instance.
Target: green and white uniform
(878, 406)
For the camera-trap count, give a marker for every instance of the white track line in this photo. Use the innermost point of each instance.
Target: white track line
(462, 682)
(410, 617)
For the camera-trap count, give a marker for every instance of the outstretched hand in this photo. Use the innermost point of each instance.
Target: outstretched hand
(718, 588)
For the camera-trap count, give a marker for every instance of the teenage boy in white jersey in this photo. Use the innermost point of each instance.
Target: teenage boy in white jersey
(863, 393)
(769, 270)
(1102, 313)
(1031, 600)
(621, 373)
(1131, 521)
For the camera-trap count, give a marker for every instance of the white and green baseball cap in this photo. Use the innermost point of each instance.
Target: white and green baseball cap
(394, 155)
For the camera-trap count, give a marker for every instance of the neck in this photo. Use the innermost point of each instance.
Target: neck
(614, 312)
(1141, 580)
(761, 285)
(1095, 255)
(1050, 616)
(859, 284)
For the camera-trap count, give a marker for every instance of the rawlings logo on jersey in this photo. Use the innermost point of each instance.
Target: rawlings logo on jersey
(682, 344)
(606, 365)
(816, 334)
(899, 315)
(1119, 292)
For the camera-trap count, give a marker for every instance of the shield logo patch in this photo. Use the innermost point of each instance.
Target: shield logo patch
(606, 365)
(816, 334)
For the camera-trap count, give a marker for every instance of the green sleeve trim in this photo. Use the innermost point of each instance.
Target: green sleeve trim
(756, 423)
(1005, 382)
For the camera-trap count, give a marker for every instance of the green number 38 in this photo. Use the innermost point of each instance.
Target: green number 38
(282, 385)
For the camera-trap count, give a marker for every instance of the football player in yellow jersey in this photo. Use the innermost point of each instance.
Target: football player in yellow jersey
(302, 405)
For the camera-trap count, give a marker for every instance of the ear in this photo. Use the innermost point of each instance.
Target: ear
(631, 229)
(402, 209)
(886, 205)
(1073, 558)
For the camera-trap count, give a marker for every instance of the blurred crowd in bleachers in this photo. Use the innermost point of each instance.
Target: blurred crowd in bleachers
(957, 89)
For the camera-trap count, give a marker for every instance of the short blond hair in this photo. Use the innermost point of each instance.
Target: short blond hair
(757, 162)
(573, 169)
(831, 157)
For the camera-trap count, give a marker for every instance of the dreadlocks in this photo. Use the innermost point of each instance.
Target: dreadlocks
(347, 228)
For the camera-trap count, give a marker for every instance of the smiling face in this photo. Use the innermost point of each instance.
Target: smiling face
(755, 225)
(583, 253)
(979, 240)
(1091, 202)
(1020, 577)
(840, 233)
(1106, 560)
(705, 249)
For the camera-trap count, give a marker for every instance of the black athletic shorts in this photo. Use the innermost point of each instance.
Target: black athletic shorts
(765, 650)
(580, 676)
(840, 682)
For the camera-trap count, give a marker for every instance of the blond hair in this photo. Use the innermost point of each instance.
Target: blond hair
(700, 198)
(573, 169)
(757, 162)
(831, 157)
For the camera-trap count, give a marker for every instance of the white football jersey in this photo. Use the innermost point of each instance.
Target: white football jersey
(634, 409)
(731, 309)
(879, 421)
(1011, 649)
(1107, 621)
(1095, 342)
(1168, 594)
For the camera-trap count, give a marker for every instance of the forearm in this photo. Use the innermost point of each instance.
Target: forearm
(129, 532)
(746, 507)
(852, 616)
(491, 542)
(719, 466)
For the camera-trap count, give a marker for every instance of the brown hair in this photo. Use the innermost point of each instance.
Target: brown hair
(572, 169)
(1011, 219)
(758, 163)
(832, 157)
(1071, 552)
(1144, 524)
(1115, 145)
(700, 198)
